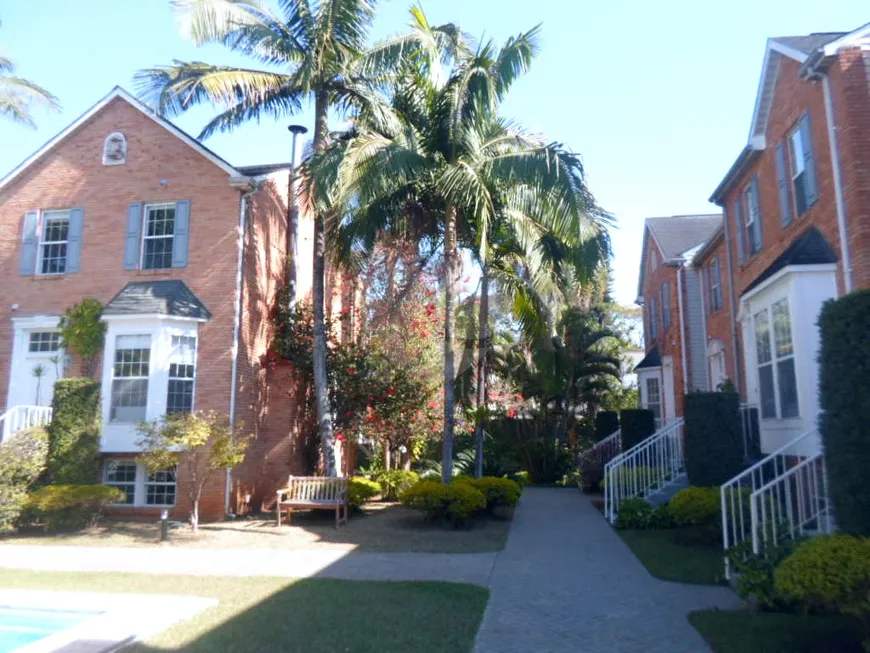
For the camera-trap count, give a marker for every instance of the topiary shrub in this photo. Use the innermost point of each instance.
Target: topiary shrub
(606, 423)
(71, 506)
(74, 432)
(499, 492)
(844, 393)
(22, 462)
(454, 503)
(396, 481)
(712, 437)
(633, 514)
(637, 425)
(361, 490)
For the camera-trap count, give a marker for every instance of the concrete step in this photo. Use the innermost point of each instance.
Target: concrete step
(664, 494)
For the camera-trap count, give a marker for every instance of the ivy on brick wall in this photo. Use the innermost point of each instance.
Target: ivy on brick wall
(74, 432)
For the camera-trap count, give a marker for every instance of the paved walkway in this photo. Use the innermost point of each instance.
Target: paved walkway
(567, 583)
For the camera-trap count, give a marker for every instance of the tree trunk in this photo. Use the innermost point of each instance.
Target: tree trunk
(482, 349)
(318, 294)
(194, 515)
(450, 274)
(387, 457)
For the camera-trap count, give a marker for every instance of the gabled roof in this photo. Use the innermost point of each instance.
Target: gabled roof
(674, 236)
(810, 248)
(119, 92)
(264, 169)
(809, 50)
(170, 297)
(652, 359)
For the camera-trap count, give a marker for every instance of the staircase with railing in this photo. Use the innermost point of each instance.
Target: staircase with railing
(19, 418)
(782, 495)
(602, 452)
(653, 470)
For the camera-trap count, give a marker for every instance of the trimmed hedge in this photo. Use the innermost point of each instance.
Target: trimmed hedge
(637, 425)
(844, 390)
(22, 462)
(606, 423)
(74, 432)
(453, 503)
(71, 506)
(712, 437)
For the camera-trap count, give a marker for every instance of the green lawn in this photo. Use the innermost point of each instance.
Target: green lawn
(665, 555)
(311, 616)
(759, 632)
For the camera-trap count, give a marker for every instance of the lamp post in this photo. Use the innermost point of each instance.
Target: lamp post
(293, 231)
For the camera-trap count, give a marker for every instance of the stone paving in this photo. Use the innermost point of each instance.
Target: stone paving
(566, 583)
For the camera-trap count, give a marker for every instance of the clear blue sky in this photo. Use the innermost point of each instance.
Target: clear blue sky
(656, 96)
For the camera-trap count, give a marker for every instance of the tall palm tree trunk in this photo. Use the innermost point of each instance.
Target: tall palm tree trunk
(482, 348)
(318, 292)
(450, 274)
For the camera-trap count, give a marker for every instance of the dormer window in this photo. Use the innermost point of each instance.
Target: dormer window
(115, 150)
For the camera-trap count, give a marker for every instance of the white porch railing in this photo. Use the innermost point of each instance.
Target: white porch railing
(23, 417)
(645, 468)
(737, 525)
(795, 503)
(604, 450)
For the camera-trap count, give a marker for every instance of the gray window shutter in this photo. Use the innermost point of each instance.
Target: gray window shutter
(782, 182)
(739, 228)
(756, 224)
(74, 240)
(181, 235)
(811, 189)
(134, 229)
(29, 243)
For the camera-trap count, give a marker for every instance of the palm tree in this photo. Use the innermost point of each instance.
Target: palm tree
(320, 49)
(19, 95)
(445, 151)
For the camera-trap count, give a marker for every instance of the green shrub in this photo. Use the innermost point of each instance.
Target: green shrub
(396, 481)
(697, 506)
(662, 517)
(22, 462)
(755, 574)
(499, 492)
(712, 437)
(606, 423)
(71, 506)
(453, 503)
(637, 425)
(844, 393)
(361, 490)
(74, 432)
(634, 513)
(830, 573)
(520, 477)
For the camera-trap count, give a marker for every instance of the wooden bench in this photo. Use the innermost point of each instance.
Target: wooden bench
(314, 493)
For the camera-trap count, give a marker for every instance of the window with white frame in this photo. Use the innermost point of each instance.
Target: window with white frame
(130, 378)
(122, 475)
(654, 398)
(160, 488)
(715, 282)
(43, 342)
(157, 236)
(666, 306)
(182, 375)
(53, 242)
(798, 169)
(752, 210)
(115, 149)
(777, 382)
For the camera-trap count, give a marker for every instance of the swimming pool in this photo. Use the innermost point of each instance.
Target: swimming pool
(22, 626)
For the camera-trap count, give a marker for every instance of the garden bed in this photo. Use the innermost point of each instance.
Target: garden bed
(761, 632)
(381, 527)
(674, 554)
(312, 615)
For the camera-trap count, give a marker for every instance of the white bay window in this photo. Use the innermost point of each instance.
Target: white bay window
(130, 378)
(774, 351)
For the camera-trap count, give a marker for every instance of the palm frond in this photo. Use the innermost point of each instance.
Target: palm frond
(18, 97)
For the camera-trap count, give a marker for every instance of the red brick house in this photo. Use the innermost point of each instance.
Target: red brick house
(669, 290)
(186, 252)
(797, 228)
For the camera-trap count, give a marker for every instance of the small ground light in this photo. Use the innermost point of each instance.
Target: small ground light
(164, 526)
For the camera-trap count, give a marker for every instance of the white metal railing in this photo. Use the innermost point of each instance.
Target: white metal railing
(791, 505)
(734, 495)
(23, 417)
(604, 450)
(644, 468)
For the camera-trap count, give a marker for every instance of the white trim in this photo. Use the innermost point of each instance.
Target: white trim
(37, 322)
(134, 317)
(123, 161)
(789, 269)
(119, 92)
(43, 216)
(791, 53)
(682, 331)
(853, 38)
(845, 255)
(143, 230)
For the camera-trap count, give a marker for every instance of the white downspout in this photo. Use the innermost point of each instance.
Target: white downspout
(704, 335)
(682, 333)
(838, 186)
(237, 325)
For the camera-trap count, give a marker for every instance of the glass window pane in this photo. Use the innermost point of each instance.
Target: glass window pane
(122, 475)
(788, 396)
(765, 384)
(762, 337)
(782, 329)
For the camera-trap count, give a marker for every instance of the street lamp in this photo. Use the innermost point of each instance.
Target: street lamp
(293, 232)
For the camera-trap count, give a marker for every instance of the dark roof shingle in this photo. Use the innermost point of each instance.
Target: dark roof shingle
(809, 43)
(169, 297)
(680, 233)
(810, 248)
(652, 359)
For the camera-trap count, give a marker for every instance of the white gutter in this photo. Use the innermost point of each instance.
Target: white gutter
(735, 354)
(682, 333)
(704, 333)
(237, 325)
(838, 187)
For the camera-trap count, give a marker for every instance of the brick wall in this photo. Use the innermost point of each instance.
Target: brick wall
(719, 323)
